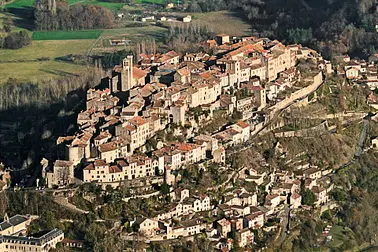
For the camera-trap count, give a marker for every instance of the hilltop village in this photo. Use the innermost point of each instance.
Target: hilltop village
(163, 113)
(161, 120)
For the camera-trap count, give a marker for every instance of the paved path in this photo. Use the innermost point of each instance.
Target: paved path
(284, 226)
(64, 202)
(362, 139)
(144, 196)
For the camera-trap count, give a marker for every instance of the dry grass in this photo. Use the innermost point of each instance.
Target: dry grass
(47, 48)
(37, 71)
(23, 64)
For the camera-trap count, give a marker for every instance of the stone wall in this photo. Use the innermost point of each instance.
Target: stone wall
(300, 94)
(304, 132)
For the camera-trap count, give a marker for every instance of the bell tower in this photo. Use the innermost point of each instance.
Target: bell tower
(127, 73)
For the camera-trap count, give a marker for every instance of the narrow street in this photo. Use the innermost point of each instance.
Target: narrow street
(284, 226)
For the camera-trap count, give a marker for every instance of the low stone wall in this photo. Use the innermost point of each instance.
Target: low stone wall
(300, 94)
(304, 132)
(337, 115)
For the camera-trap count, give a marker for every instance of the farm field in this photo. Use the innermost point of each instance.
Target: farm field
(42, 49)
(37, 71)
(108, 5)
(160, 2)
(149, 30)
(23, 64)
(22, 4)
(66, 35)
(136, 33)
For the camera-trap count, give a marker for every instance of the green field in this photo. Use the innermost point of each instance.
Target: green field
(108, 5)
(23, 63)
(38, 71)
(20, 4)
(66, 35)
(48, 48)
(160, 2)
(130, 32)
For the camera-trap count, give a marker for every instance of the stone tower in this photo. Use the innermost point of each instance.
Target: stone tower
(127, 73)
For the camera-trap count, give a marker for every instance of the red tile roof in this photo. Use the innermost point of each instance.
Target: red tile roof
(138, 73)
(243, 124)
(100, 162)
(138, 121)
(114, 169)
(89, 167)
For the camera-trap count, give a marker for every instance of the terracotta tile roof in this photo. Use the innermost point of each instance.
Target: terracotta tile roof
(103, 135)
(138, 73)
(317, 189)
(184, 71)
(243, 124)
(184, 147)
(206, 75)
(122, 163)
(138, 121)
(172, 54)
(89, 167)
(107, 147)
(224, 222)
(295, 195)
(100, 162)
(114, 169)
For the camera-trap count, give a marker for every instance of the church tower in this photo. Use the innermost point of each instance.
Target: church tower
(127, 73)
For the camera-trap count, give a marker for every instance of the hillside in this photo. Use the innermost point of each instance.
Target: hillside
(333, 27)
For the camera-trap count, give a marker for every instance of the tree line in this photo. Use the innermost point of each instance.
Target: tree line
(332, 27)
(13, 40)
(187, 37)
(17, 94)
(59, 16)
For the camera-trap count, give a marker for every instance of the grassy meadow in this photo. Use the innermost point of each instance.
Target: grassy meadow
(38, 71)
(45, 49)
(160, 2)
(21, 4)
(37, 61)
(66, 35)
(108, 5)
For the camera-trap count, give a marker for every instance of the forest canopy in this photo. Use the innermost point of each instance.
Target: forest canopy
(330, 26)
(51, 15)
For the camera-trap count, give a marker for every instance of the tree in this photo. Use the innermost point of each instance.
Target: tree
(308, 198)
(194, 7)
(75, 17)
(16, 40)
(164, 189)
(8, 24)
(136, 227)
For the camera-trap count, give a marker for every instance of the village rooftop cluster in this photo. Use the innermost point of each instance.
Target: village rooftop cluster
(148, 124)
